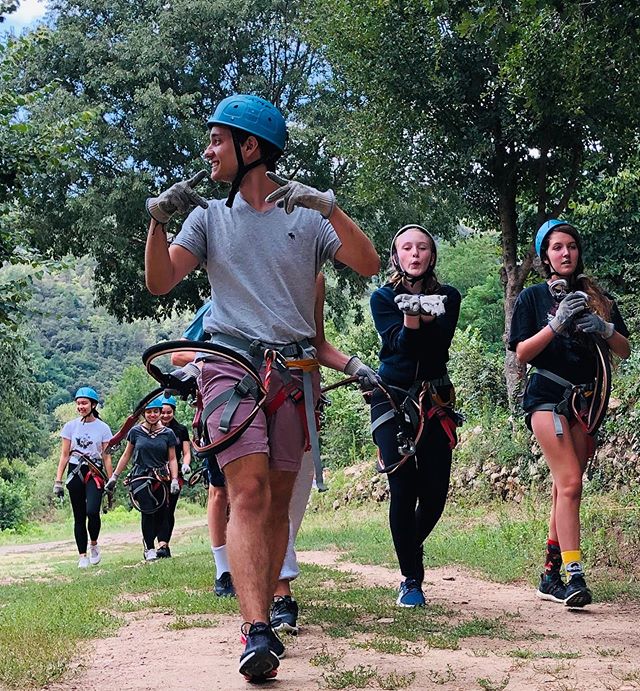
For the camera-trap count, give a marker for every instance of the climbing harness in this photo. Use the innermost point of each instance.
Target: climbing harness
(144, 485)
(412, 409)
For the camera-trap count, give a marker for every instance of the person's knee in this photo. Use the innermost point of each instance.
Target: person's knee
(570, 489)
(218, 498)
(250, 493)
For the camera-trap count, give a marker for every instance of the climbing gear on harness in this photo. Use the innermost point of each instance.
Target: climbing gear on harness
(412, 410)
(148, 491)
(408, 304)
(587, 403)
(86, 468)
(256, 116)
(179, 198)
(292, 193)
(87, 392)
(395, 261)
(591, 323)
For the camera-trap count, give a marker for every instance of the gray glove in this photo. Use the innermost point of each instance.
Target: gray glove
(367, 378)
(179, 198)
(111, 483)
(292, 194)
(571, 305)
(432, 304)
(175, 486)
(591, 323)
(189, 371)
(186, 470)
(409, 304)
(58, 489)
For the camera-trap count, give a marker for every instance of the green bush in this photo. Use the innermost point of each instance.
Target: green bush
(13, 504)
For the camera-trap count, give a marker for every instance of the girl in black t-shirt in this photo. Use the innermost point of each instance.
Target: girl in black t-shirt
(153, 448)
(554, 327)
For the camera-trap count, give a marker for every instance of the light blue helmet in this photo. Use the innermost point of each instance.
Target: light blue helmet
(545, 229)
(156, 403)
(87, 392)
(169, 400)
(253, 115)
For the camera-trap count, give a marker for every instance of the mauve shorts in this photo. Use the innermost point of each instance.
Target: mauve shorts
(281, 437)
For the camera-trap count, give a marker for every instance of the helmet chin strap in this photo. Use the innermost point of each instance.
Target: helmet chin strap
(243, 169)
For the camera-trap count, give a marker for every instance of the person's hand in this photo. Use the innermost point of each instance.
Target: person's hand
(111, 483)
(179, 198)
(409, 304)
(175, 486)
(432, 304)
(189, 371)
(591, 323)
(367, 378)
(186, 469)
(571, 305)
(58, 489)
(293, 193)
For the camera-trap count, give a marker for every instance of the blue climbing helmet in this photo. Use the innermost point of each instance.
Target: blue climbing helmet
(156, 403)
(545, 229)
(543, 233)
(253, 115)
(170, 400)
(87, 392)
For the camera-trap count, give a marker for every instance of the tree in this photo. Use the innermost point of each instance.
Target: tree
(507, 103)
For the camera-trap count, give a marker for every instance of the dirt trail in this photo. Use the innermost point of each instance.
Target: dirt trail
(604, 642)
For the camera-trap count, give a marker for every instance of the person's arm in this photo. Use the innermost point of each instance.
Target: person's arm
(65, 451)
(356, 251)
(526, 350)
(620, 345)
(164, 266)
(186, 453)
(173, 463)
(106, 459)
(328, 355)
(124, 459)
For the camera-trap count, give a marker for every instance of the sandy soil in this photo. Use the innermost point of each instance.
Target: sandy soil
(605, 638)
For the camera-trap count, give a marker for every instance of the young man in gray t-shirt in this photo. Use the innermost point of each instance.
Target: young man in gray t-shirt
(262, 248)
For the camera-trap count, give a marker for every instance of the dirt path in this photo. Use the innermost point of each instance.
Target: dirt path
(551, 648)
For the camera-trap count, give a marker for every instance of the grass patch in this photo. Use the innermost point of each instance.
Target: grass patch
(182, 623)
(524, 654)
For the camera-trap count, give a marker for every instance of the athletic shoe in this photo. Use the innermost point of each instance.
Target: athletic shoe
(275, 643)
(284, 615)
(223, 586)
(94, 554)
(410, 594)
(577, 594)
(551, 587)
(163, 552)
(258, 662)
(83, 563)
(150, 555)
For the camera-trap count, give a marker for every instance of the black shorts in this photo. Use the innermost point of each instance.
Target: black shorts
(216, 476)
(541, 390)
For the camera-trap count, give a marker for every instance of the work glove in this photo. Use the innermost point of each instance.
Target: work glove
(175, 486)
(189, 371)
(591, 323)
(409, 304)
(186, 470)
(367, 378)
(432, 304)
(571, 305)
(179, 198)
(58, 489)
(292, 194)
(111, 483)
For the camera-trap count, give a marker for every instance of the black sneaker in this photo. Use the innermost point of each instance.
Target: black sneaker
(163, 552)
(258, 662)
(284, 615)
(577, 594)
(223, 586)
(551, 587)
(274, 642)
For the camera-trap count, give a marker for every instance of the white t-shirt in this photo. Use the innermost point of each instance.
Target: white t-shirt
(86, 437)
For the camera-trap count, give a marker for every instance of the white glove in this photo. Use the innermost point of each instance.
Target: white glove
(367, 378)
(111, 483)
(186, 469)
(571, 305)
(593, 324)
(175, 486)
(408, 304)
(432, 304)
(179, 198)
(293, 193)
(58, 489)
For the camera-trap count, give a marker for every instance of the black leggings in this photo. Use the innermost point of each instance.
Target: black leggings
(418, 491)
(171, 514)
(155, 525)
(85, 501)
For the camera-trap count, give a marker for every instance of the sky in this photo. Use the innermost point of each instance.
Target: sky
(27, 14)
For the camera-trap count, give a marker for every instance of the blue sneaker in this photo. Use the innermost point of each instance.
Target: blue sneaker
(551, 587)
(258, 662)
(410, 594)
(577, 594)
(223, 586)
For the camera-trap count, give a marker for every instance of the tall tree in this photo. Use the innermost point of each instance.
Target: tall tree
(508, 103)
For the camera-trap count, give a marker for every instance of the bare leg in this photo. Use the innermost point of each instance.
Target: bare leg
(217, 502)
(282, 482)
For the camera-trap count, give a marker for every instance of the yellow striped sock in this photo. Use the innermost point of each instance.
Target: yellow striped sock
(571, 556)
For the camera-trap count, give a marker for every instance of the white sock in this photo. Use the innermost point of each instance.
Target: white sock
(221, 559)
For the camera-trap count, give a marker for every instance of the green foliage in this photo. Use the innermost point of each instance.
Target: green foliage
(468, 262)
(482, 310)
(134, 384)
(13, 504)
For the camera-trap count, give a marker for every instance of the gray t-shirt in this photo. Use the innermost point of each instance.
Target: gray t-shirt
(262, 267)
